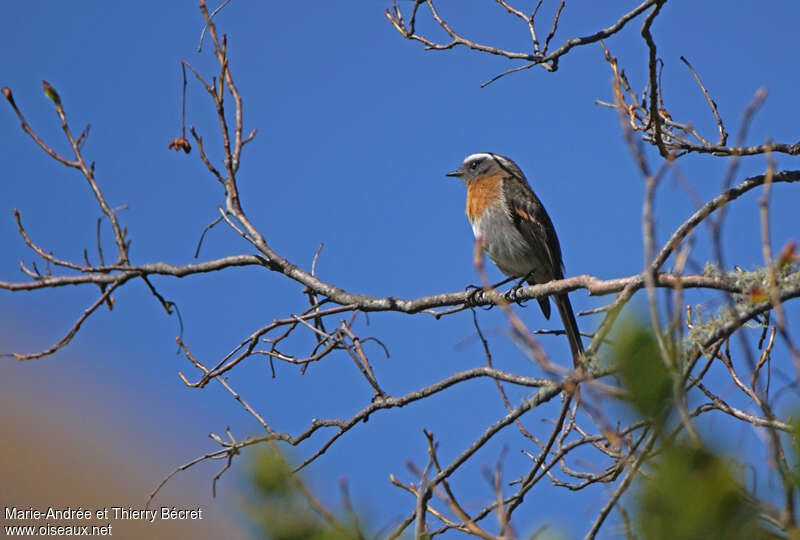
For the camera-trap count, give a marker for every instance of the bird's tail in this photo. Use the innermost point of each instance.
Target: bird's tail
(570, 326)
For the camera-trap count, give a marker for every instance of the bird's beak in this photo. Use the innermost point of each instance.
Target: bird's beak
(457, 173)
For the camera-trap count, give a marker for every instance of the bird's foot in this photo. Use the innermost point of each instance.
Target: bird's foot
(472, 297)
(511, 294)
(472, 293)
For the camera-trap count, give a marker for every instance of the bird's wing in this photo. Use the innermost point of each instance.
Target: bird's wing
(531, 220)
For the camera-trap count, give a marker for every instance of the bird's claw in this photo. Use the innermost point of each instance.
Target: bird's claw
(511, 294)
(472, 297)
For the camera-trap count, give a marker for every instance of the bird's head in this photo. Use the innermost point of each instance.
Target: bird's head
(485, 164)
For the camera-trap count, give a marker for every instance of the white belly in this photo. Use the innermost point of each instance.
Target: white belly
(507, 248)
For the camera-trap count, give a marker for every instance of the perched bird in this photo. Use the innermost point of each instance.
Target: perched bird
(515, 230)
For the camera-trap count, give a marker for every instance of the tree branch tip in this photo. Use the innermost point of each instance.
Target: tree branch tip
(186, 381)
(7, 93)
(395, 23)
(51, 93)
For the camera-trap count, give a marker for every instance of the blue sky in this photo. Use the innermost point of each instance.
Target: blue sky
(356, 128)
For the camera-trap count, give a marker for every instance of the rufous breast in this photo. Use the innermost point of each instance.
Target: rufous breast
(482, 193)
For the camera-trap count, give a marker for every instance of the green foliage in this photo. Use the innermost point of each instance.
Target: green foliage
(279, 508)
(643, 372)
(271, 474)
(688, 491)
(693, 495)
(793, 455)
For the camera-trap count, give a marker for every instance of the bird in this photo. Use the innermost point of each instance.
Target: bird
(514, 230)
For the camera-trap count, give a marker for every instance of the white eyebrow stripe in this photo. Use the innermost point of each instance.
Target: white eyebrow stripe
(479, 155)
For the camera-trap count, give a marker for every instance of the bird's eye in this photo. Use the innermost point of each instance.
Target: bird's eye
(473, 165)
